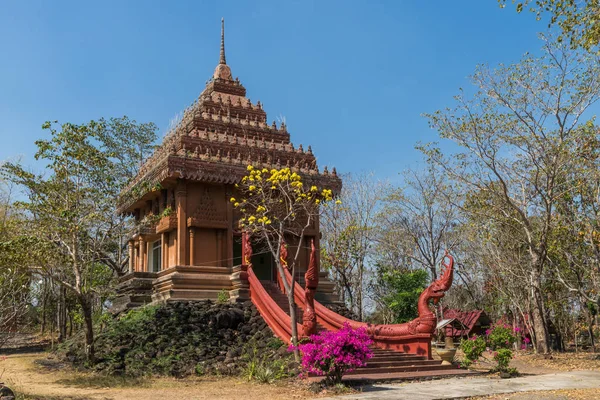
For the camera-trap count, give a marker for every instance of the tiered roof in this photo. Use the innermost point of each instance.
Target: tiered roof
(219, 135)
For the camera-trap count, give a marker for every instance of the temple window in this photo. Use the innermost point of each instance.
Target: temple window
(155, 261)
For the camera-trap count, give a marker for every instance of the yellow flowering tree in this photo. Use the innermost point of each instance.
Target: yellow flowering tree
(278, 207)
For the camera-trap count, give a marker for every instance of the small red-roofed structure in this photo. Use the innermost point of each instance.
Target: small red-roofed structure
(466, 323)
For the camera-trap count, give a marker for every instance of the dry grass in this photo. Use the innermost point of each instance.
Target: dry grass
(44, 380)
(562, 361)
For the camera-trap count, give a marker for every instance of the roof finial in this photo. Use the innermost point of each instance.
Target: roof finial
(222, 60)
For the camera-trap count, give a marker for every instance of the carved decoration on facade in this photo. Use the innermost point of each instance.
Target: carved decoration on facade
(207, 214)
(246, 249)
(283, 254)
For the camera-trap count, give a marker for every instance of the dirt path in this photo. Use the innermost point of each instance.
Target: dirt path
(24, 374)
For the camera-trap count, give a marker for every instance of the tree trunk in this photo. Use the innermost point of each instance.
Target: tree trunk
(89, 327)
(342, 291)
(540, 326)
(359, 296)
(61, 314)
(542, 344)
(292, 305)
(591, 331)
(70, 324)
(519, 335)
(52, 333)
(44, 304)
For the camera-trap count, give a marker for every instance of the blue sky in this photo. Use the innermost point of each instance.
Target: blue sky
(351, 78)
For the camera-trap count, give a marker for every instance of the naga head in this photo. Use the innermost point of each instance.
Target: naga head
(440, 286)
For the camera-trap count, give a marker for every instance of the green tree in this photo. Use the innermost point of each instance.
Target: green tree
(579, 20)
(15, 288)
(73, 204)
(404, 289)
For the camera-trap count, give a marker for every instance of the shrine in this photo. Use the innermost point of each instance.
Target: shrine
(186, 244)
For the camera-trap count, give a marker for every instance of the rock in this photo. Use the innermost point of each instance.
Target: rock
(174, 338)
(246, 329)
(234, 352)
(228, 319)
(6, 393)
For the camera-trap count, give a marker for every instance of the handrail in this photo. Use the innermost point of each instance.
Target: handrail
(274, 316)
(410, 337)
(334, 321)
(330, 319)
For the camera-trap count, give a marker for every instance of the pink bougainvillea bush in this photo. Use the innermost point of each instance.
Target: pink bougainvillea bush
(334, 353)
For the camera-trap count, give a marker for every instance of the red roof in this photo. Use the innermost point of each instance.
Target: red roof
(466, 320)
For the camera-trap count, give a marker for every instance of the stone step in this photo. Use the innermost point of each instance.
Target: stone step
(381, 351)
(397, 357)
(398, 363)
(403, 376)
(406, 368)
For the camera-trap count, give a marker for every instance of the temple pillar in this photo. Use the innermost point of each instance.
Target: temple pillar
(148, 252)
(131, 256)
(175, 246)
(229, 237)
(181, 200)
(219, 247)
(164, 250)
(192, 244)
(137, 255)
(142, 254)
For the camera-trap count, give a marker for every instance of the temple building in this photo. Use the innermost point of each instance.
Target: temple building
(186, 244)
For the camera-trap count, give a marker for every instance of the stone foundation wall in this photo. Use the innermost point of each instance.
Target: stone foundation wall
(181, 338)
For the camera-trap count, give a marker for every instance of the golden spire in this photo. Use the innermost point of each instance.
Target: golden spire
(222, 60)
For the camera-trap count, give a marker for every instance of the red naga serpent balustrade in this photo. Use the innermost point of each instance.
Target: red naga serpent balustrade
(412, 337)
(277, 319)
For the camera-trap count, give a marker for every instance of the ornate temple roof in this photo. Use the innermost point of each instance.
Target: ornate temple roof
(219, 135)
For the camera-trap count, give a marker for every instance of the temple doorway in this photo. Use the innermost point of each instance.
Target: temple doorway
(263, 266)
(263, 262)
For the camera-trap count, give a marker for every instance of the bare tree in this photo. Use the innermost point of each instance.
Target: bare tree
(516, 133)
(349, 231)
(425, 212)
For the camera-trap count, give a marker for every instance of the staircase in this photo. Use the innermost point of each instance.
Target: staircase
(385, 364)
(282, 301)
